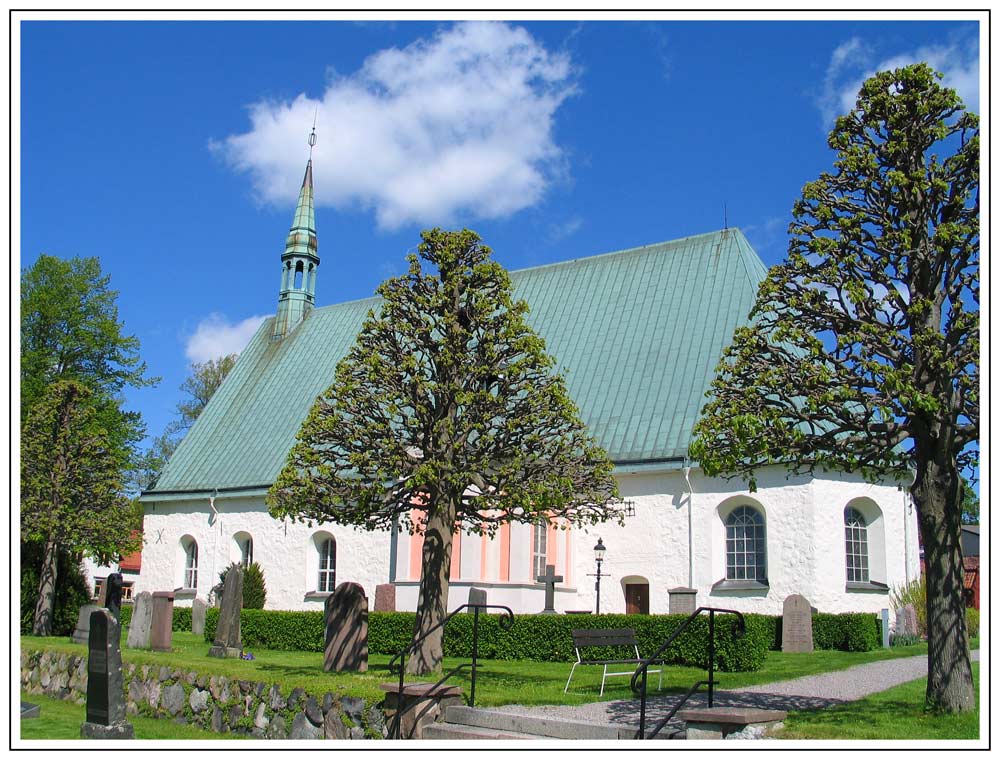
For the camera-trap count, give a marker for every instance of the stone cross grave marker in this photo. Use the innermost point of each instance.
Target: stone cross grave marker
(140, 628)
(550, 579)
(198, 607)
(346, 615)
(385, 597)
(162, 627)
(476, 596)
(227, 634)
(796, 625)
(105, 681)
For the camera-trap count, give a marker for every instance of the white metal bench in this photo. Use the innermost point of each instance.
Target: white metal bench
(613, 637)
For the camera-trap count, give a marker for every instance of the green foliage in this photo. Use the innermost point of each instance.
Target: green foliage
(848, 632)
(71, 490)
(254, 588)
(904, 640)
(914, 593)
(72, 591)
(970, 504)
(972, 621)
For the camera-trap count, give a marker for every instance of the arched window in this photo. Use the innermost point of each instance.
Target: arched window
(190, 563)
(327, 580)
(539, 549)
(856, 539)
(298, 276)
(246, 551)
(746, 545)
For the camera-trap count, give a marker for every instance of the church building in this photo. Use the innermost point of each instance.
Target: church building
(638, 334)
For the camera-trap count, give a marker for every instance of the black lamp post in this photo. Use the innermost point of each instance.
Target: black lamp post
(599, 550)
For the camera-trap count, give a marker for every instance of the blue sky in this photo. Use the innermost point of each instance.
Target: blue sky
(174, 150)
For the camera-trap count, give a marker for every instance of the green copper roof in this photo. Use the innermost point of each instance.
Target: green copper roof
(638, 333)
(302, 236)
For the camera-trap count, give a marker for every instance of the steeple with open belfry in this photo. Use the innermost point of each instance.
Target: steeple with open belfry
(300, 260)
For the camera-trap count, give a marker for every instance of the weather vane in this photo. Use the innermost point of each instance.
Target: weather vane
(312, 135)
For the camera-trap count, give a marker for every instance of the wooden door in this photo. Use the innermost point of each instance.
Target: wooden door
(637, 599)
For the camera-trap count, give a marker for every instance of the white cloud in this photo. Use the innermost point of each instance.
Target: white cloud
(456, 125)
(852, 63)
(216, 337)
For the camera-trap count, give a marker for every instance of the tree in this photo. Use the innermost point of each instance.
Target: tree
(863, 351)
(71, 491)
(448, 404)
(970, 504)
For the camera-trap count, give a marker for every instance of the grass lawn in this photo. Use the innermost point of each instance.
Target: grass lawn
(61, 720)
(897, 713)
(499, 682)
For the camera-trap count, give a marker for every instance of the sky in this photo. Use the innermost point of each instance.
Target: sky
(174, 150)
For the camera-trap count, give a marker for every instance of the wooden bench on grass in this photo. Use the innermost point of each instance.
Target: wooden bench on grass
(612, 637)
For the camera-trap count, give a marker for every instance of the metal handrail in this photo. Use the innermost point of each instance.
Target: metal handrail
(739, 629)
(506, 621)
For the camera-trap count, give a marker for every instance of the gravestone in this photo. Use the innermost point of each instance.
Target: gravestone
(105, 681)
(198, 607)
(227, 634)
(885, 628)
(113, 595)
(906, 621)
(346, 615)
(476, 596)
(683, 600)
(102, 595)
(385, 597)
(162, 628)
(140, 628)
(796, 625)
(81, 635)
(550, 579)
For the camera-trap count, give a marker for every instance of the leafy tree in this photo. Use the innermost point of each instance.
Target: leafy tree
(970, 505)
(71, 592)
(71, 491)
(864, 349)
(447, 403)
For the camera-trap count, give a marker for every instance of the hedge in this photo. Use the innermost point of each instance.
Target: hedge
(181, 622)
(546, 638)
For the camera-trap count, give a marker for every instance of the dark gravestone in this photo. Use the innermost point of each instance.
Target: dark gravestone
(105, 681)
(550, 579)
(346, 614)
(683, 600)
(796, 625)
(113, 595)
(476, 596)
(29, 710)
(385, 597)
(227, 634)
(162, 632)
(82, 633)
(102, 595)
(198, 607)
(140, 628)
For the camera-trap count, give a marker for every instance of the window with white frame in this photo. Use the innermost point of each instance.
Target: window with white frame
(327, 579)
(746, 545)
(246, 551)
(539, 549)
(856, 545)
(191, 564)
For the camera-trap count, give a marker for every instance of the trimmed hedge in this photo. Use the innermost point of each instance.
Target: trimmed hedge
(848, 631)
(181, 621)
(544, 638)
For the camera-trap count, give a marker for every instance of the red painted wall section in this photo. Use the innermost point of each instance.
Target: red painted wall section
(416, 545)
(456, 554)
(504, 552)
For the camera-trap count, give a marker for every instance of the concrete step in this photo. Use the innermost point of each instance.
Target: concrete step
(457, 731)
(535, 726)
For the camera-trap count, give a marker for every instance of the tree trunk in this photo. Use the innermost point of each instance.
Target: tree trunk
(432, 603)
(45, 606)
(937, 493)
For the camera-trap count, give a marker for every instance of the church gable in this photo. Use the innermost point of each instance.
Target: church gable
(638, 333)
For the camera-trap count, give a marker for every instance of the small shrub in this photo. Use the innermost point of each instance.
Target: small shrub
(972, 621)
(848, 631)
(254, 589)
(904, 640)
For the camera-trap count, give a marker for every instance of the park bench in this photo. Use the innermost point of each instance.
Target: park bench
(606, 639)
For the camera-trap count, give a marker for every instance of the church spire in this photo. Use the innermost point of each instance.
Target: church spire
(300, 260)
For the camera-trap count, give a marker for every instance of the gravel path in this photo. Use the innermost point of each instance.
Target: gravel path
(806, 693)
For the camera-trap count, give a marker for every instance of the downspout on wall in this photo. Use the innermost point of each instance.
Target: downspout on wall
(690, 491)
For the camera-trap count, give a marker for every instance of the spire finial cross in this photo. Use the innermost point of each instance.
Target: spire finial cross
(312, 135)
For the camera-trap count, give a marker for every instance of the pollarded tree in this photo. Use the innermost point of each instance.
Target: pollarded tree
(71, 491)
(863, 355)
(447, 404)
